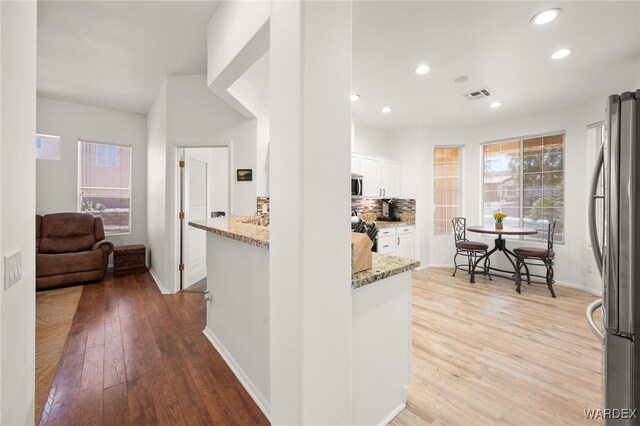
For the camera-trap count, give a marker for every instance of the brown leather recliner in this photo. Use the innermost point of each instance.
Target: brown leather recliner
(70, 248)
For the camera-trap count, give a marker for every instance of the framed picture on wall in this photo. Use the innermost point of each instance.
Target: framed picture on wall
(244, 175)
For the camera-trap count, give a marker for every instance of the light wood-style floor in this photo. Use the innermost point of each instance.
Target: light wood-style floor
(483, 354)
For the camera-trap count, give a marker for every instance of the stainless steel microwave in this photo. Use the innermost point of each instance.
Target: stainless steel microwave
(356, 185)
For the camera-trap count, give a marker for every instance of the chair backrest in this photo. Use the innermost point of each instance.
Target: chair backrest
(68, 232)
(459, 228)
(550, 233)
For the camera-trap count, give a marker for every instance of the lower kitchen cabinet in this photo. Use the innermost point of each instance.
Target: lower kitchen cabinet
(397, 241)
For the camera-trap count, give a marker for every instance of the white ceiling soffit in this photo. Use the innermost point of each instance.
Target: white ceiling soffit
(238, 36)
(117, 54)
(496, 45)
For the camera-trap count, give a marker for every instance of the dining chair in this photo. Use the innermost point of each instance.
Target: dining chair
(469, 249)
(536, 256)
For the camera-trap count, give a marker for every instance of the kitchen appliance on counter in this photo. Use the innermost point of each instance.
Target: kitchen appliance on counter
(356, 185)
(389, 211)
(617, 253)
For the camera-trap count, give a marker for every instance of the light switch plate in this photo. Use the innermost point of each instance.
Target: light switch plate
(12, 269)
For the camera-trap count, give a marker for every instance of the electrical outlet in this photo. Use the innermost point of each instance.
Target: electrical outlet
(12, 269)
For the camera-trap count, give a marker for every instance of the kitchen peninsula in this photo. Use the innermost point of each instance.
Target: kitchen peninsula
(238, 318)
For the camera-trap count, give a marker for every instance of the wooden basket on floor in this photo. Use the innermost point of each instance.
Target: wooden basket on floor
(129, 260)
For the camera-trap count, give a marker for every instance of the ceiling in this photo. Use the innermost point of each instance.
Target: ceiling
(117, 54)
(496, 45)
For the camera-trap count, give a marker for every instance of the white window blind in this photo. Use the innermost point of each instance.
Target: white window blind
(446, 188)
(105, 184)
(524, 179)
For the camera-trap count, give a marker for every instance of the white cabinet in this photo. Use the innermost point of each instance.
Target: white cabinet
(390, 178)
(371, 177)
(380, 177)
(405, 247)
(355, 163)
(397, 240)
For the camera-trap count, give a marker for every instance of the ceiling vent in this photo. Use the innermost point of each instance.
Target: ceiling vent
(478, 94)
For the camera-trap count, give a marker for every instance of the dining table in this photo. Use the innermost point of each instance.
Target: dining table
(500, 245)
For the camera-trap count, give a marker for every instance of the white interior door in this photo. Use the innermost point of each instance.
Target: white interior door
(195, 250)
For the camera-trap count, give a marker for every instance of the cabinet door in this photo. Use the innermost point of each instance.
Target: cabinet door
(370, 171)
(355, 164)
(390, 177)
(405, 246)
(387, 245)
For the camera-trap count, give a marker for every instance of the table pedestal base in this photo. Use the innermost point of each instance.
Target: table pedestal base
(500, 245)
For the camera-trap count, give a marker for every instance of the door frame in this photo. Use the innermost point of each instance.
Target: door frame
(177, 226)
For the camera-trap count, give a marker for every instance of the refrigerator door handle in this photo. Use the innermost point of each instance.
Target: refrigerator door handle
(593, 227)
(591, 309)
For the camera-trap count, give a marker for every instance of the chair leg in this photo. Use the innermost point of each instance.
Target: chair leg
(455, 264)
(549, 265)
(526, 269)
(487, 265)
(470, 261)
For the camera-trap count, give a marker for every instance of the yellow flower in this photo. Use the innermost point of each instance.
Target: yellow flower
(499, 216)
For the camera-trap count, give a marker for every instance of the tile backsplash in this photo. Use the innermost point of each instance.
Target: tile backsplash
(370, 208)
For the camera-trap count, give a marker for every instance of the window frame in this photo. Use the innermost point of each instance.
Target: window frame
(521, 140)
(79, 178)
(59, 150)
(461, 184)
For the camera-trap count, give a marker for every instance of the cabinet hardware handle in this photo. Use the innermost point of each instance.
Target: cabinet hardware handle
(398, 240)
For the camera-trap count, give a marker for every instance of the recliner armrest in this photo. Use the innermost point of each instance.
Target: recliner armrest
(106, 246)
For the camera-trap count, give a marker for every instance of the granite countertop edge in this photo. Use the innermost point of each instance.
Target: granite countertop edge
(384, 266)
(386, 224)
(232, 235)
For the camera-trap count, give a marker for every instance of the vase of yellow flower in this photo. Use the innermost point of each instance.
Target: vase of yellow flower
(498, 218)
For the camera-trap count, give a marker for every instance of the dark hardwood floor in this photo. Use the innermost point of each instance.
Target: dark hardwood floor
(135, 356)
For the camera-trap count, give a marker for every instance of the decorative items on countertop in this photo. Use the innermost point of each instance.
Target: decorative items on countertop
(499, 217)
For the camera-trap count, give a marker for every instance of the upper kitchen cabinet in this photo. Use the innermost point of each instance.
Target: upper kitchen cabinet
(355, 164)
(390, 177)
(380, 177)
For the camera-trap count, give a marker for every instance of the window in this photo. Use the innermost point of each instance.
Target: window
(525, 180)
(105, 184)
(47, 147)
(446, 188)
(106, 155)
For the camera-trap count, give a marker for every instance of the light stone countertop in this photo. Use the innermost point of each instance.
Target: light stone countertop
(384, 266)
(386, 224)
(234, 228)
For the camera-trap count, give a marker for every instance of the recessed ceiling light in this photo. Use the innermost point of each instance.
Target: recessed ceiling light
(386, 110)
(561, 53)
(422, 69)
(462, 79)
(354, 97)
(496, 104)
(546, 16)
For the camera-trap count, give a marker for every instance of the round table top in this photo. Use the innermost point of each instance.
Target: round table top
(507, 230)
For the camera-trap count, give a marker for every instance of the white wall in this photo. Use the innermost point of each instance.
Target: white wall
(187, 114)
(371, 141)
(574, 260)
(156, 163)
(57, 181)
(310, 303)
(17, 209)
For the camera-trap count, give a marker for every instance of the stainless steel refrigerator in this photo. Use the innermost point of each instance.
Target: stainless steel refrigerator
(617, 253)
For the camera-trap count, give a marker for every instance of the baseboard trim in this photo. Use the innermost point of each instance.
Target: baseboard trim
(392, 414)
(253, 391)
(158, 282)
(557, 283)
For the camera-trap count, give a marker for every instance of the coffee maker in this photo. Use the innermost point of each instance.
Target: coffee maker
(389, 211)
